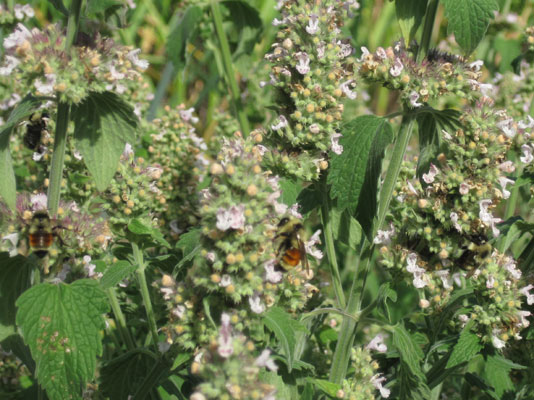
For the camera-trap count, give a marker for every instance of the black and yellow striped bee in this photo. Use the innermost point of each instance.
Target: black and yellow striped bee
(289, 244)
(41, 232)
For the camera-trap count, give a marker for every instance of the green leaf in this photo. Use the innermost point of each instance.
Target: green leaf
(310, 198)
(467, 347)
(430, 123)
(346, 228)
(140, 228)
(181, 34)
(103, 124)
(410, 14)
(189, 243)
(410, 353)
(283, 392)
(8, 187)
(286, 330)
(385, 293)
(15, 278)
(354, 173)
(497, 373)
(61, 324)
(123, 375)
(469, 20)
(509, 49)
(290, 191)
(116, 273)
(101, 6)
(325, 386)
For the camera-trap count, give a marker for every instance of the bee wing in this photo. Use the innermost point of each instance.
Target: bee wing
(303, 254)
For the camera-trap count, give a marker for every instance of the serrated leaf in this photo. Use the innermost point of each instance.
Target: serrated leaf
(410, 14)
(359, 166)
(272, 378)
(346, 228)
(430, 123)
(285, 329)
(467, 347)
(410, 352)
(327, 335)
(385, 293)
(122, 376)
(61, 324)
(182, 34)
(140, 228)
(189, 243)
(469, 20)
(8, 187)
(15, 278)
(116, 273)
(103, 124)
(497, 374)
(290, 191)
(325, 386)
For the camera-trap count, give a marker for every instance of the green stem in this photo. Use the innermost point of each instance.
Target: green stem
(331, 254)
(141, 278)
(119, 318)
(163, 84)
(348, 327)
(430, 18)
(58, 157)
(73, 22)
(229, 69)
(512, 200)
(11, 5)
(506, 7)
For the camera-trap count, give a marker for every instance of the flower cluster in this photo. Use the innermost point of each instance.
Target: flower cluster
(20, 13)
(238, 265)
(38, 60)
(365, 381)
(174, 147)
(441, 226)
(229, 369)
(419, 83)
(310, 70)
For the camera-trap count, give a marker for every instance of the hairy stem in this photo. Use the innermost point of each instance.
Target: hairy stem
(228, 67)
(141, 278)
(119, 318)
(348, 327)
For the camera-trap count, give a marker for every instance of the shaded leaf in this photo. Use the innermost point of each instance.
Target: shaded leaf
(189, 243)
(325, 386)
(497, 373)
(467, 347)
(182, 34)
(286, 330)
(15, 278)
(469, 20)
(410, 14)
(409, 351)
(61, 324)
(103, 124)
(346, 228)
(140, 228)
(116, 273)
(290, 191)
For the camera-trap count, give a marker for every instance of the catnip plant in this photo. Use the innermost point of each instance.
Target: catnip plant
(266, 200)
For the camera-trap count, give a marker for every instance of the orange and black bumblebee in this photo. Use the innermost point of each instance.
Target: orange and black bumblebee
(289, 244)
(41, 233)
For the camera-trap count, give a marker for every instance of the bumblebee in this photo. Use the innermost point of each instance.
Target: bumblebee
(289, 244)
(34, 130)
(41, 233)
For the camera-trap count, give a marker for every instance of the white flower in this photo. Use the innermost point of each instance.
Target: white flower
(46, 88)
(133, 57)
(503, 181)
(432, 172)
(277, 22)
(384, 237)
(490, 282)
(377, 380)
(464, 188)
(476, 65)
(226, 280)
(226, 347)
(446, 134)
(419, 278)
(511, 267)
(411, 188)
(397, 68)
(381, 53)
(346, 89)
(487, 218)
(526, 125)
(13, 238)
(22, 11)
(526, 292)
(179, 311)
(187, 115)
(524, 323)
(62, 275)
(232, 218)
(507, 166)
(294, 211)
(265, 360)
(320, 49)
(414, 96)
(271, 275)
(443, 274)
(18, 37)
(315, 128)
(527, 156)
(454, 219)
(38, 155)
(313, 25)
(282, 123)
(335, 146)
(309, 246)
(303, 65)
(365, 53)
(38, 201)
(377, 343)
(10, 65)
(256, 305)
(507, 127)
(497, 343)
(485, 89)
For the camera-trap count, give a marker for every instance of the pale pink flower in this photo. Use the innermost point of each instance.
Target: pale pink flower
(430, 176)
(265, 360)
(377, 380)
(526, 292)
(384, 237)
(414, 96)
(133, 57)
(503, 181)
(454, 219)
(527, 156)
(271, 275)
(282, 123)
(256, 305)
(10, 65)
(397, 68)
(309, 246)
(18, 37)
(232, 218)
(303, 65)
(313, 25)
(377, 343)
(335, 146)
(226, 347)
